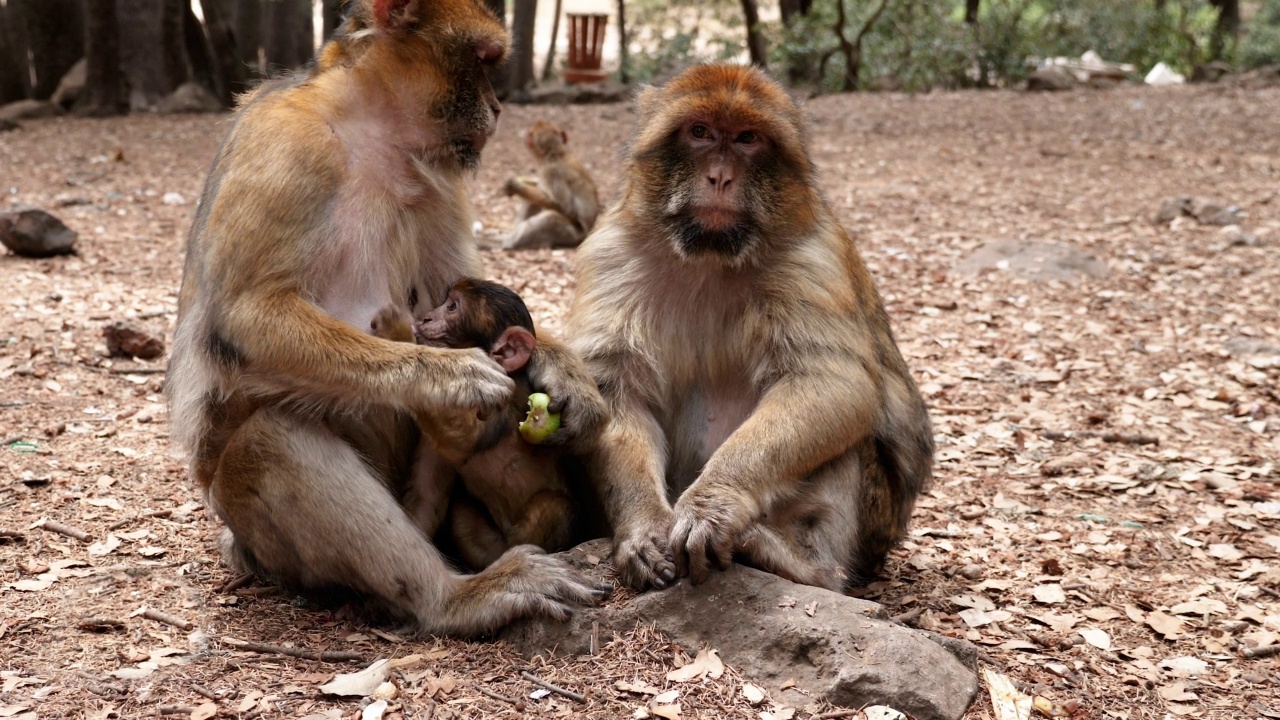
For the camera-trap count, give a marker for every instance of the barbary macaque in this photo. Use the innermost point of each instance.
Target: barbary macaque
(760, 407)
(561, 204)
(514, 492)
(337, 191)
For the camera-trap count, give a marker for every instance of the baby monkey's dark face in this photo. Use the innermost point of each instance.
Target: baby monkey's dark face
(478, 313)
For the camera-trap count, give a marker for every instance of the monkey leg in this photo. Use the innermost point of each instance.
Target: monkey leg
(812, 539)
(304, 509)
(478, 540)
(546, 521)
(545, 229)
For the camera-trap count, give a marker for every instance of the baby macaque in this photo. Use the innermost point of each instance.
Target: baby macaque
(515, 494)
(560, 205)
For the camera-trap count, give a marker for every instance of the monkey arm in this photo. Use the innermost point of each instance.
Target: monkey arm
(561, 374)
(807, 417)
(308, 352)
(535, 196)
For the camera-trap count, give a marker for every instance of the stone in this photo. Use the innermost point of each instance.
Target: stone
(836, 648)
(1051, 79)
(190, 97)
(124, 340)
(31, 232)
(71, 86)
(1035, 261)
(1210, 72)
(1212, 212)
(1171, 209)
(28, 110)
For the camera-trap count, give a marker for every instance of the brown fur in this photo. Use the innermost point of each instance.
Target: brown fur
(747, 359)
(335, 193)
(561, 204)
(514, 493)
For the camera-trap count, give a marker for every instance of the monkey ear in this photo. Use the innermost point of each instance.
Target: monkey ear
(396, 16)
(646, 102)
(513, 348)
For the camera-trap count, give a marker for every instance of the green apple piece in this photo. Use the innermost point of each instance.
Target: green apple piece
(539, 424)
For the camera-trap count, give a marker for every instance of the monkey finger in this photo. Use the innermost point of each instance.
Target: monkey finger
(722, 552)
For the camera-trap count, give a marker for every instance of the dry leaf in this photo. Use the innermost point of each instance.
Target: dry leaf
(1049, 594)
(358, 684)
(1185, 666)
(1167, 625)
(1177, 692)
(666, 698)
(811, 609)
(1006, 701)
(882, 712)
(636, 687)
(374, 710)
(670, 712)
(1097, 638)
(205, 711)
(1200, 606)
(753, 694)
(707, 664)
(249, 701)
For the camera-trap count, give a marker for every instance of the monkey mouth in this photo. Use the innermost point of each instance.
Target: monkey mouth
(719, 232)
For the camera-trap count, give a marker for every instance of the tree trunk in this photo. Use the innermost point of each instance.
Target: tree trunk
(231, 75)
(15, 70)
(792, 9)
(54, 30)
(1227, 26)
(522, 27)
(755, 40)
(331, 12)
(153, 65)
(551, 47)
(198, 51)
(104, 88)
(971, 8)
(624, 66)
(287, 41)
(176, 64)
(246, 26)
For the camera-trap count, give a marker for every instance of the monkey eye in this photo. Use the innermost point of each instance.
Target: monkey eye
(700, 131)
(746, 137)
(452, 306)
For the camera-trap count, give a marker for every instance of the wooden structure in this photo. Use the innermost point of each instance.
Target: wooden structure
(586, 48)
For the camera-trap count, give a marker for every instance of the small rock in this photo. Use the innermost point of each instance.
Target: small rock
(173, 198)
(190, 97)
(1210, 72)
(1034, 260)
(1210, 212)
(28, 110)
(30, 232)
(128, 341)
(1244, 239)
(1172, 209)
(972, 572)
(1051, 79)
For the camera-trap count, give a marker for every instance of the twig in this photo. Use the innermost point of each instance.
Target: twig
(837, 714)
(99, 624)
(13, 404)
(489, 693)
(175, 710)
(235, 583)
(6, 534)
(431, 709)
(167, 619)
(153, 514)
(595, 638)
(1261, 652)
(906, 617)
(57, 527)
(553, 688)
(11, 439)
(321, 655)
(960, 409)
(206, 692)
(138, 371)
(1111, 437)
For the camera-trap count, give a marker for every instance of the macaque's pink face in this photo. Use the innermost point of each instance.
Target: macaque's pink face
(438, 327)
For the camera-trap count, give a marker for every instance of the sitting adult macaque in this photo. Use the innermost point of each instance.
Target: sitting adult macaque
(561, 204)
(514, 492)
(743, 349)
(338, 191)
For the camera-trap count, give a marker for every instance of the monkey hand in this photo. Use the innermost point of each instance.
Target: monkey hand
(512, 186)
(640, 554)
(707, 522)
(523, 582)
(464, 380)
(561, 374)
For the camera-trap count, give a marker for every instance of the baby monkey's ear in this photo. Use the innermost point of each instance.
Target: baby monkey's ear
(513, 348)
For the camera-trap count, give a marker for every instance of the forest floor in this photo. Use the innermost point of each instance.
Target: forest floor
(1116, 579)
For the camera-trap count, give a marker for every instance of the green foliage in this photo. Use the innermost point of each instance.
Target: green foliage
(666, 37)
(1261, 43)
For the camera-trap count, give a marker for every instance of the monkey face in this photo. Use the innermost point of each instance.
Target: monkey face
(719, 161)
(439, 327)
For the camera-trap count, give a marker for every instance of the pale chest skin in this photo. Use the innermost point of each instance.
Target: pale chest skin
(397, 235)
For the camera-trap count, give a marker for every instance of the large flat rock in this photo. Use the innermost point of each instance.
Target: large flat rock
(847, 652)
(1034, 260)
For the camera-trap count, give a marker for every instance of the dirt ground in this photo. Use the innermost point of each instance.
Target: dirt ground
(1117, 575)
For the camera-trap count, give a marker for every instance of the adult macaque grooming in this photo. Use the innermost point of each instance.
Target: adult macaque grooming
(334, 194)
(515, 494)
(746, 357)
(561, 204)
